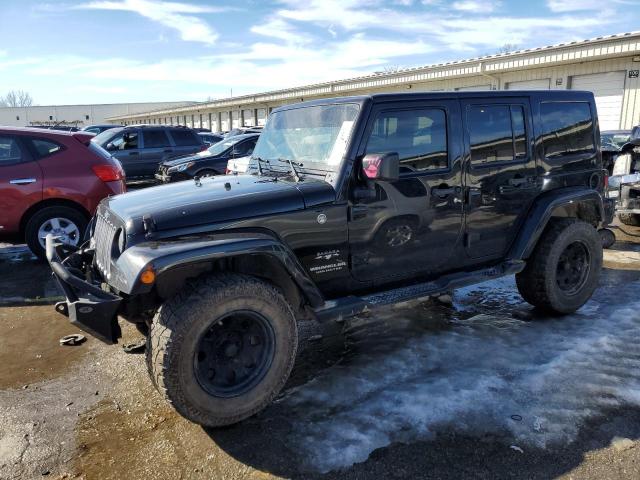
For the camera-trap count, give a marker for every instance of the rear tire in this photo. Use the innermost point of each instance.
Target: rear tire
(563, 271)
(222, 349)
(631, 219)
(68, 222)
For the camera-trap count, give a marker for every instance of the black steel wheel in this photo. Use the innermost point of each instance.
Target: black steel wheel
(234, 353)
(573, 268)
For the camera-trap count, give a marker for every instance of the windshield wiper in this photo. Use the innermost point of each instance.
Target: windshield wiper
(296, 175)
(259, 161)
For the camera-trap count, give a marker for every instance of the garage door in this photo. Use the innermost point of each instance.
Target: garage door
(473, 88)
(608, 89)
(262, 116)
(541, 84)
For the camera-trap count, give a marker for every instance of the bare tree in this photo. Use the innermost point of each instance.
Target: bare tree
(16, 98)
(507, 48)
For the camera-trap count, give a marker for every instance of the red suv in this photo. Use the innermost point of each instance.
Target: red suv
(51, 182)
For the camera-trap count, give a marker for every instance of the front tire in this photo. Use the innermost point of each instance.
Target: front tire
(564, 269)
(223, 348)
(67, 223)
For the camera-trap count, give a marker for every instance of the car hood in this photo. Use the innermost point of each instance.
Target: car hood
(215, 200)
(204, 155)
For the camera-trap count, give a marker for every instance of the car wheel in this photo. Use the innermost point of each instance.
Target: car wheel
(223, 348)
(631, 219)
(563, 271)
(66, 223)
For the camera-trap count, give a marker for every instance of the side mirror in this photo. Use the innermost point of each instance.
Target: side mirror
(381, 166)
(110, 147)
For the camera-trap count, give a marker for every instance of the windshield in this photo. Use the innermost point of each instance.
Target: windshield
(106, 135)
(221, 146)
(616, 140)
(315, 137)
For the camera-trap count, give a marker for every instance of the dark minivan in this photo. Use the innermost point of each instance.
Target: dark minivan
(140, 148)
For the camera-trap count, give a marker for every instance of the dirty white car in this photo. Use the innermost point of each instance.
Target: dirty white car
(238, 165)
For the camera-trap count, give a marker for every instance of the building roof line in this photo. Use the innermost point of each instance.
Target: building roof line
(465, 67)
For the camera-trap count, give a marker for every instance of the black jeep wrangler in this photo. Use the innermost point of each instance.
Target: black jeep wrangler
(349, 203)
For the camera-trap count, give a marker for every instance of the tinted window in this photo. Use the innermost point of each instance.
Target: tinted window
(496, 133)
(45, 147)
(9, 151)
(125, 141)
(155, 139)
(95, 130)
(418, 136)
(184, 137)
(245, 148)
(567, 128)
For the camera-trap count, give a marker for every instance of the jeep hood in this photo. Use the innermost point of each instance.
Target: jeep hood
(217, 199)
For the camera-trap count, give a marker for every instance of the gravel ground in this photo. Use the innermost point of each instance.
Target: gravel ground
(483, 387)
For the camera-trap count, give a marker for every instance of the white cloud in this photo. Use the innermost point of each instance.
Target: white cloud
(573, 5)
(476, 6)
(174, 15)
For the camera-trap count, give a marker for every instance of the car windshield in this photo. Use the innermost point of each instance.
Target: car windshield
(616, 140)
(220, 147)
(106, 135)
(314, 137)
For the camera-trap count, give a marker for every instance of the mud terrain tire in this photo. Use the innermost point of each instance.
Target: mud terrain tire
(630, 219)
(204, 340)
(563, 271)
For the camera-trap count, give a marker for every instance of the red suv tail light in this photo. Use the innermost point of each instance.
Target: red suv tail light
(108, 173)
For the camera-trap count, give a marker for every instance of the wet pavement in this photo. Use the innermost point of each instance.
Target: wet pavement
(482, 387)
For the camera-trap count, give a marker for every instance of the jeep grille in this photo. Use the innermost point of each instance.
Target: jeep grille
(103, 235)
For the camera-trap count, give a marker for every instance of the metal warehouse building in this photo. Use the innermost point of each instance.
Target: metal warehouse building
(607, 66)
(76, 115)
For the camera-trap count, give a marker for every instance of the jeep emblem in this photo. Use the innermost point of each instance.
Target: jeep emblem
(85, 309)
(322, 218)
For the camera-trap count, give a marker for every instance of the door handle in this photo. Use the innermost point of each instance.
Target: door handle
(22, 181)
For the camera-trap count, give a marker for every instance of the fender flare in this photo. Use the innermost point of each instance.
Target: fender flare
(543, 209)
(164, 255)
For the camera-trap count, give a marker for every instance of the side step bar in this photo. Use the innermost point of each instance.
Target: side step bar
(353, 305)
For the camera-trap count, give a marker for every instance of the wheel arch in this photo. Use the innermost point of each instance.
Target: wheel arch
(582, 203)
(49, 202)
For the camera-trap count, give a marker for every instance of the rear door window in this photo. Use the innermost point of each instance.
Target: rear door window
(125, 141)
(44, 148)
(155, 139)
(184, 137)
(567, 128)
(10, 152)
(496, 133)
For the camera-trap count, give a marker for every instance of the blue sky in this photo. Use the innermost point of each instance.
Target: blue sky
(106, 51)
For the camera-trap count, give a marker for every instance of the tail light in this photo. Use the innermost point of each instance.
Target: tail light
(227, 171)
(108, 173)
(606, 182)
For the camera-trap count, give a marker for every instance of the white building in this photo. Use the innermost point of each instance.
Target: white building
(76, 115)
(607, 66)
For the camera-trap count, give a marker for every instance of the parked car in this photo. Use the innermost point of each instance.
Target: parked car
(210, 138)
(141, 148)
(354, 203)
(624, 183)
(611, 142)
(96, 129)
(210, 162)
(242, 131)
(51, 182)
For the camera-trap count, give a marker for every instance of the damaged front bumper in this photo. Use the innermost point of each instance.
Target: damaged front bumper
(87, 305)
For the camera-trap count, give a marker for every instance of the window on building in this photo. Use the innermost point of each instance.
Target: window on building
(155, 139)
(9, 151)
(17, 117)
(45, 147)
(86, 117)
(418, 136)
(496, 133)
(50, 117)
(184, 137)
(567, 128)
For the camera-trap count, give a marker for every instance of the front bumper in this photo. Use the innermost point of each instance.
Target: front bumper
(87, 306)
(163, 178)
